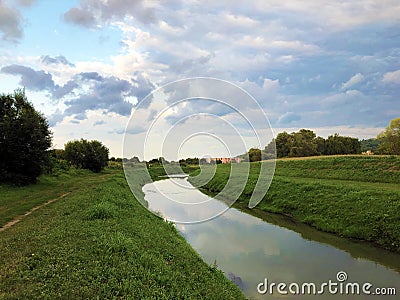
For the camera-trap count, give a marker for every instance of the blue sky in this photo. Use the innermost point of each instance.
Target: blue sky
(330, 66)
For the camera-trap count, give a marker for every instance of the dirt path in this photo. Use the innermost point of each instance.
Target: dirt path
(20, 217)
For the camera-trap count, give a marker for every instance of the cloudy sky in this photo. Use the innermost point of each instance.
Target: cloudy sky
(330, 66)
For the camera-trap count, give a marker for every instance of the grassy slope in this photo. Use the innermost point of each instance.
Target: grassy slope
(99, 242)
(354, 196)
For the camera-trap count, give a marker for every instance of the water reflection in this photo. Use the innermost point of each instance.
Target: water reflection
(248, 249)
(178, 201)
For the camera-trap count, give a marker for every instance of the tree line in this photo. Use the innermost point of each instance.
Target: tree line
(306, 143)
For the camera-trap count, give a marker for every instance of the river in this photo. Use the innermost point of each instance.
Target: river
(258, 250)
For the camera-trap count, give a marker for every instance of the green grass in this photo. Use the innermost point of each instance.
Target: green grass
(15, 201)
(352, 196)
(98, 242)
(355, 168)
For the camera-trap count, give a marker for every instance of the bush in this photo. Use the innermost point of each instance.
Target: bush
(92, 155)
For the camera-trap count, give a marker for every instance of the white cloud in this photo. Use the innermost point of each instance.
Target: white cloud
(392, 77)
(259, 42)
(171, 30)
(352, 81)
(329, 15)
(240, 21)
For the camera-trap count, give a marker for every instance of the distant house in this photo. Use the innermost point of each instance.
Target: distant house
(224, 160)
(237, 159)
(368, 152)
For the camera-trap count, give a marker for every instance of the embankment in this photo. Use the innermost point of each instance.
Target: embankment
(351, 196)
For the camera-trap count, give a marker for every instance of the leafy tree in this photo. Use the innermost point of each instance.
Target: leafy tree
(283, 143)
(189, 161)
(57, 163)
(135, 159)
(154, 161)
(370, 144)
(254, 154)
(269, 151)
(92, 155)
(25, 138)
(162, 160)
(303, 143)
(336, 144)
(306, 143)
(390, 138)
(203, 161)
(320, 142)
(59, 153)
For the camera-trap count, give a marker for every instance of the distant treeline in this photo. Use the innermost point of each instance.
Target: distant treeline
(306, 143)
(371, 145)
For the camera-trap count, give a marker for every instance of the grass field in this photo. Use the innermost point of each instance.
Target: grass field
(15, 201)
(352, 196)
(97, 242)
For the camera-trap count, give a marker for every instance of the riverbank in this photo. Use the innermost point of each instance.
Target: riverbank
(351, 196)
(98, 241)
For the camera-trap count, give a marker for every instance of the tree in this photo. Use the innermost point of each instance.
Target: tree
(135, 159)
(283, 143)
(25, 138)
(306, 143)
(203, 161)
(254, 154)
(320, 142)
(269, 151)
(92, 155)
(303, 143)
(336, 144)
(189, 161)
(390, 138)
(370, 144)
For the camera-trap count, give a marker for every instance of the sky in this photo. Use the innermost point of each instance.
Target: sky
(328, 66)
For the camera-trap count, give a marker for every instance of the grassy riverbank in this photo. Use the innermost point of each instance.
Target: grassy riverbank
(352, 196)
(97, 242)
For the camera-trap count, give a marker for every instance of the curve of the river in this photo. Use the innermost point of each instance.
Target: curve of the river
(253, 250)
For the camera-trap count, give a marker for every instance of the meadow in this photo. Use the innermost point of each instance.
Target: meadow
(352, 196)
(97, 242)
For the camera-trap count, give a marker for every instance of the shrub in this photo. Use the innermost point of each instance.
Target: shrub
(92, 155)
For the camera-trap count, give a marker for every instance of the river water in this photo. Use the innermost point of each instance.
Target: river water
(259, 249)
